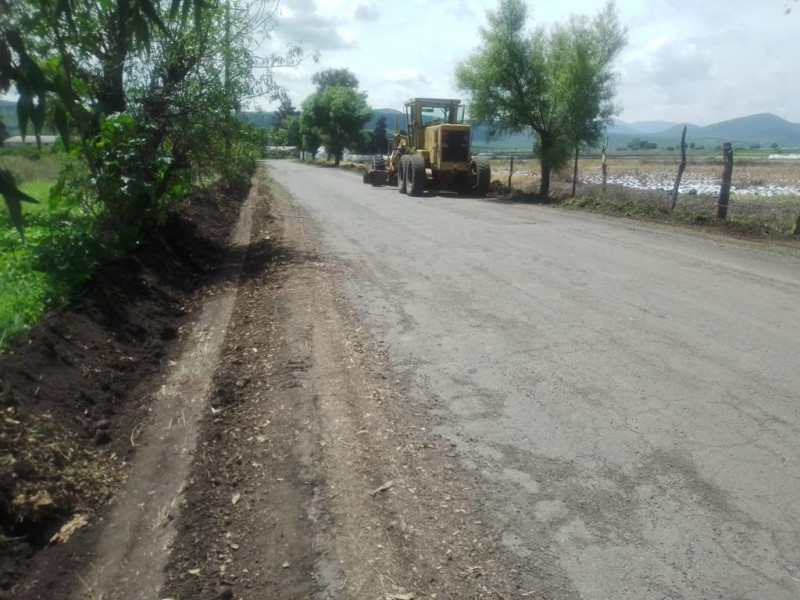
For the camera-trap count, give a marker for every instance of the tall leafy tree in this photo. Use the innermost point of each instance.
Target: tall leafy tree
(151, 88)
(338, 113)
(557, 83)
(380, 136)
(310, 138)
(294, 134)
(334, 77)
(285, 110)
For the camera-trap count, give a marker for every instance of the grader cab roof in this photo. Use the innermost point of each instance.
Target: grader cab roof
(433, 102)
(424, 111)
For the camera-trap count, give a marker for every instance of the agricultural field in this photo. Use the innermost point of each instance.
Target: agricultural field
(751, 177)
(764, 192)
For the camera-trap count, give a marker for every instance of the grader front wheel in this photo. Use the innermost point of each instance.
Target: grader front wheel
(481, 175)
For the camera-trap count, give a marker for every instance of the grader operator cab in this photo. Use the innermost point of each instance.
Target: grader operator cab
(432, 152)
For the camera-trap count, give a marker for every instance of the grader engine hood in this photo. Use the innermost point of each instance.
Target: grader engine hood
(448, 144)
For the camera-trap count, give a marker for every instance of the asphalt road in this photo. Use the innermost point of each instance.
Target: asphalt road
(629, 393)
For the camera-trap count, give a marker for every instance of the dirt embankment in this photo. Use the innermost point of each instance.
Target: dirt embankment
(75, 393)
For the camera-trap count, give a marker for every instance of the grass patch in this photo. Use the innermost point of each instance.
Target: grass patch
(620, 206)
(61, 249)
(28, 164)
(60, 254)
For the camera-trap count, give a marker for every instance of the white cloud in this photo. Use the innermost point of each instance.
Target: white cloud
(367, 12)
(303, 24)
(686, 59)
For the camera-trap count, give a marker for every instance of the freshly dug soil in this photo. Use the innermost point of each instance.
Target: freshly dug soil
(75, 389)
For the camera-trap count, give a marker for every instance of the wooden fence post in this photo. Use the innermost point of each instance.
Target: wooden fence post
(575, 171)
(604, 166)
(727, 173)
(681, 169)
(510, 172)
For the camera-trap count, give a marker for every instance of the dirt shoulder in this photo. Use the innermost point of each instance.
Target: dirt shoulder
(77, 392)
(316, 476)
(264, 450)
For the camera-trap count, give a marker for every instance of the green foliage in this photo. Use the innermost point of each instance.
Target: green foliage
(337, 113)
(334, 78)
(61, 251)
(131, 177)
(380, 137)
(557, 83)
(146, 97)
(310, 137)
(151, 90)
(14, 197)
(294, 134)
(284, 111)
(623, 206)
(640, 144)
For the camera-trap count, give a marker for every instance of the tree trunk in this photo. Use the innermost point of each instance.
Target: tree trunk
(681, 169)
(575, 171)
(727, 173)
(111, 95)
(544, 185)
(546, 149)
(510, 172)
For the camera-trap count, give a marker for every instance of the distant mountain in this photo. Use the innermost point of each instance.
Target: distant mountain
(623, 128)
(389, 114)
(652, 126)
(764, 129)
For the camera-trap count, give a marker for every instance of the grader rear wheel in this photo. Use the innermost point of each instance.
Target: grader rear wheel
(402, 174)
(416, 175)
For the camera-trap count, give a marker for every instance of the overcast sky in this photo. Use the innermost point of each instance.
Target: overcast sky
(693, 61)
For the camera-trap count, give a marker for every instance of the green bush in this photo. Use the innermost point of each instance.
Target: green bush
(61, 252)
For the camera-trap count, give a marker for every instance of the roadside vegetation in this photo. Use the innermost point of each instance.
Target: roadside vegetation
(147, 100)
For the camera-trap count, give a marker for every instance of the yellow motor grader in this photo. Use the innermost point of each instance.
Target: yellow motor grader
(432, 152)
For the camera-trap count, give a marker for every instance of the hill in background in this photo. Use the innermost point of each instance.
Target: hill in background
(764, 129)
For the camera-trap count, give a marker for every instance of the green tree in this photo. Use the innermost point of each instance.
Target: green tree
(338, 113)
(151, 89)
(285, 110)
(557, 83)
(333, 78)
(310, 136)
(380, 136)
(294, 134)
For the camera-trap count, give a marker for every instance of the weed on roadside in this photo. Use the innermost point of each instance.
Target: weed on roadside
(59, 255)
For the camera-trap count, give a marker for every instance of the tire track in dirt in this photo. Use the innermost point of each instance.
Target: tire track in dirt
(132, 545)
(318, 478)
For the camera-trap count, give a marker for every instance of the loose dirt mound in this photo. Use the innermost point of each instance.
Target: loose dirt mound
(73, 391)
